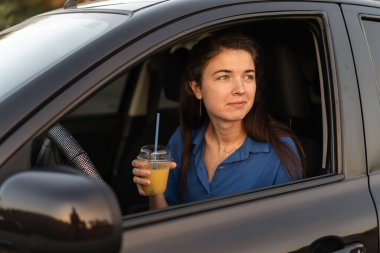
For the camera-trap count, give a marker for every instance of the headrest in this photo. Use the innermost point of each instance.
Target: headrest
(174, 73)
(285, 85)
(156, 63)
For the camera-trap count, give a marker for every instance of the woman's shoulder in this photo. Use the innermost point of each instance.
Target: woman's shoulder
(289, 140)
(175, 145)
(175, 138)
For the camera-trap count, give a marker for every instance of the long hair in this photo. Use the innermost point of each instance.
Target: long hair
(257, 123)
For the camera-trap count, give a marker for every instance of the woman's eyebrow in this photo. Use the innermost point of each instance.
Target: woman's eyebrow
(222, 71)
(230, 71)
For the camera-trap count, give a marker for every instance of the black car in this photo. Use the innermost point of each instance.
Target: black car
(79, 91)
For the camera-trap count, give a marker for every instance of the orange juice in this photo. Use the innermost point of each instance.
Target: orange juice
(158, 178)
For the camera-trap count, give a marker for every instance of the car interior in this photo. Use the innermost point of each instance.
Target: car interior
(117, 121)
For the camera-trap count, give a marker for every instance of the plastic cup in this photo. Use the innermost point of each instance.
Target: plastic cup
(158, 164)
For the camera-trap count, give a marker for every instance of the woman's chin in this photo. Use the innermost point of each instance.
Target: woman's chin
(233, 118)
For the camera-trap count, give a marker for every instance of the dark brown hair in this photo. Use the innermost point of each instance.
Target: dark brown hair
(257, 123)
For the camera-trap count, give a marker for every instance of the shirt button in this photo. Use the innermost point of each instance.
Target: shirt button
(221, 168)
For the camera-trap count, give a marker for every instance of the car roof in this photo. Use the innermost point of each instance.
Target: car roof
(132, 6)
(126, 5)
(135, 5)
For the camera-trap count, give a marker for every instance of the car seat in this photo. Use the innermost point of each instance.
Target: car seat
(288, 100)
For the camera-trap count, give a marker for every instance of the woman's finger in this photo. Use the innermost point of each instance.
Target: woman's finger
(141, 180)
(173, 165)
(138, 163)
(141, 172)
(141, 191)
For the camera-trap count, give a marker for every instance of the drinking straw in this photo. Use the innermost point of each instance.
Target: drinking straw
(156, 138)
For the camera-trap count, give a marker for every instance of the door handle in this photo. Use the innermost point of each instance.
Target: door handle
(352, 248)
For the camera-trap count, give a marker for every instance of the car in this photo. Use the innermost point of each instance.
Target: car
(80, 88)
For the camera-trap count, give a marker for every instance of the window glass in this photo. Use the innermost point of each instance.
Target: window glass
(372, 32)
(106, 101)
(36, 42)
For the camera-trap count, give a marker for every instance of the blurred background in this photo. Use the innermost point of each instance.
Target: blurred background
(14, 11)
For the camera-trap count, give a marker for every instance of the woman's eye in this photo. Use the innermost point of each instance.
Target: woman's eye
(249, 77)
(223, 77)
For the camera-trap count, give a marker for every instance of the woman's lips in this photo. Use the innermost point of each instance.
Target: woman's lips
(238, 104)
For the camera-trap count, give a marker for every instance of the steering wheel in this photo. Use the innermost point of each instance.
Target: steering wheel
(69, 148)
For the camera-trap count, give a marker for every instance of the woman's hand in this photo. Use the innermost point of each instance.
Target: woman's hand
(141, 174)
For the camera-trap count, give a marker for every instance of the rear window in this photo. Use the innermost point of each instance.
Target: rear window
(372, 29)
(40, 43)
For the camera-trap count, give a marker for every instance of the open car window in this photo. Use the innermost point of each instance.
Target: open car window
(295, 91)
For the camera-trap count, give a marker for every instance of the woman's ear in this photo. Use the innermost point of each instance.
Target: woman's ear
(196, 89)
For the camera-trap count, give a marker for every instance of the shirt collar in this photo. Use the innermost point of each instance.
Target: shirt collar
(252, 146)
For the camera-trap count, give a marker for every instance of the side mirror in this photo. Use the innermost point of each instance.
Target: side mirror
(58, 211)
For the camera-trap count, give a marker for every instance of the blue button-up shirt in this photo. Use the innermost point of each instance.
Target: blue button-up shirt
(253, 165)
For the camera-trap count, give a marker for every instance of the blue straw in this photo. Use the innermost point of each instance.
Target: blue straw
(156, 137)
(156, 134)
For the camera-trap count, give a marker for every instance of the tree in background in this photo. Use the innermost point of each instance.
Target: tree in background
(15, 11)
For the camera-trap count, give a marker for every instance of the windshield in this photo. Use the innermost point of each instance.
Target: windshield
(40, 43)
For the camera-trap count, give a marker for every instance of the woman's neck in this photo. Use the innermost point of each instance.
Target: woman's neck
(227, 136)
(221, 140)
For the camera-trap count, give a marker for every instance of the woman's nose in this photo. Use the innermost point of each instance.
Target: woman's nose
(239, 86)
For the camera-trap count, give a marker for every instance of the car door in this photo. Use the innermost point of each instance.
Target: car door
(327, 213)
(364, 26)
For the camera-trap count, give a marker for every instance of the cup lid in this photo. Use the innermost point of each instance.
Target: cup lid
(147, 153)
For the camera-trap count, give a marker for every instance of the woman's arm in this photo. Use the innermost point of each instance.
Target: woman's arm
(157, 201)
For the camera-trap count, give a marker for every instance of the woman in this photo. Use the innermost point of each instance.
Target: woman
(226, 142)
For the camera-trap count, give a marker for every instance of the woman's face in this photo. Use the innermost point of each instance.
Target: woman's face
(228, 85)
